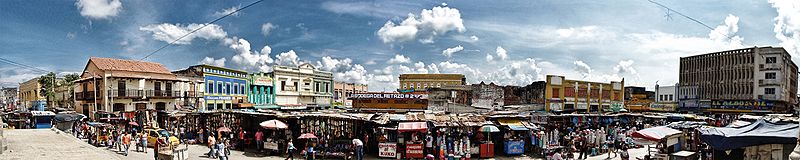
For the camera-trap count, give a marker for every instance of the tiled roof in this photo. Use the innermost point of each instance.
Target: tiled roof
(110, 64)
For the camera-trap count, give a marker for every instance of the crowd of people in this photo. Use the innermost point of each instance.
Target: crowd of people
(588, 140)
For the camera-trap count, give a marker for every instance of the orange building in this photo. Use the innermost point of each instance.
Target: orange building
(563, 95)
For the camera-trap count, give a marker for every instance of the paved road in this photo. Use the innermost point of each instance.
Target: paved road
(35, 144)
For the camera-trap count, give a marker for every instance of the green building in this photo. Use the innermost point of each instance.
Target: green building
(262, 91)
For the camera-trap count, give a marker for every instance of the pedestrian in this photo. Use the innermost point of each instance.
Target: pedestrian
(221, 150)
(310, 152)
(144, 142)
(240, 141)
(118, 141)
(259, 140)
(290, 150)
(624, 153)
(359, 146)
(158, 144)
(211, 142)
(126, 142)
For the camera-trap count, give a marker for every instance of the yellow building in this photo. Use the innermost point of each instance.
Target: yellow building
(563, 95)
(30, 94)
(425, 81)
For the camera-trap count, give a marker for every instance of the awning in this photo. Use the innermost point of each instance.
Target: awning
(517, 127)
(655, 133)
(412, 126)
(507, 122)
(266, 106)
(756, 133)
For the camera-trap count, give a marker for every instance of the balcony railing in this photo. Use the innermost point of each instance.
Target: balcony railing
(192, 94)
(130, 93)
(87, 95)
(162, 94)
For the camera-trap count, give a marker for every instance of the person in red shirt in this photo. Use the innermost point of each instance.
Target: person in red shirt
(241, 139)
(259, 140)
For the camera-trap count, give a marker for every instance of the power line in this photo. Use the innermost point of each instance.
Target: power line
(690, 18)
(23, 65)
(201, 27)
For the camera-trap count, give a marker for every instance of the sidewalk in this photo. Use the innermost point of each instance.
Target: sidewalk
(25, 144)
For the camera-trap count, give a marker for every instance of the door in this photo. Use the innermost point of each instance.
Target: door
(161, 106)
(121, 88)
(157, 88)
(141, 106)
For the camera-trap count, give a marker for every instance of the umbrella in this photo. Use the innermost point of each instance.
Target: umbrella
(489, 128)
(133, 123)
(307, 136)
(274, 124)
(223, 129)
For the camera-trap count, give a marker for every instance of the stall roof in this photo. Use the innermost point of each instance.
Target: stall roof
(517, 127)
(757, 133)
(412, 126)
(655, 133)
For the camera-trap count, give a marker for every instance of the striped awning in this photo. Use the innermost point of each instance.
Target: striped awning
(412, 126)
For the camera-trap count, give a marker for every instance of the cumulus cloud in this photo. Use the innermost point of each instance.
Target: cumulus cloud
(727, 31)
(99, 9)
(625, 66)
(344, 70)
(398, 58)
(489, 58)
(450, 51)
(227, 11)
(582, 68)
(501, 53)
(266, 28)
(214, 62)
(250, 60)
(170, 32)
(787, 25)
(288, 59)
(430, 23)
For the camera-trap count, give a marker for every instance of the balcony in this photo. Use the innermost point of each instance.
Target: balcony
(85, 96)
(192, 94)
(162, 94)
(130, 93)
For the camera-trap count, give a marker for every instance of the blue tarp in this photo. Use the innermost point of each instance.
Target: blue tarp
(517, 128)
(757, 133)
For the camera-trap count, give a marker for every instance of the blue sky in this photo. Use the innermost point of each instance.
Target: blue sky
(371, 42)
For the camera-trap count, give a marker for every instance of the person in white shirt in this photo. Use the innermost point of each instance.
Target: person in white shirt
(359, 148)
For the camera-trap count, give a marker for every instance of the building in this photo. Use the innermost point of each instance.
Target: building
(638, 99)
(8, 98)
(63, 97)
(666, 99)
(193, 88)
(524, 95)
(489, 96)
(225, 88)
(261, 91)
(450, 98)
(389, 102)
(342, 91)
(117, 86)
(303, 86)
(30, 95)
(425, 81)
(563, 95)
(757, 79)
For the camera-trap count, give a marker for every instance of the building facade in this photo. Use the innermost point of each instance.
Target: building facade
(389, 102)
(123, 86)
(193, 87)
(638, 99)
(666, 99)
(30, 95)
(225, 88)
(262, 90)
(563, 95)
(8, 98)
(426, 81)
(758, 79)
(488, 96)
(342, 92)
(303, 86)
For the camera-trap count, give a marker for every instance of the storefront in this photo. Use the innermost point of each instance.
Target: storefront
(410, 136)
(514, 135)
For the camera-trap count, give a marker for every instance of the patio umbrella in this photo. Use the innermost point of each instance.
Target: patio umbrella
(489, 128)
(274, 124)
(133, 123)
(307, 136)
(223, 129)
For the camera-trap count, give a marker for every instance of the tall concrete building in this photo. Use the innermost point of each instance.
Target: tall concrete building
(427, 81)
(757, 79)
(8, 98)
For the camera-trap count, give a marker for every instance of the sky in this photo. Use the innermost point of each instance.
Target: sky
(514, 42)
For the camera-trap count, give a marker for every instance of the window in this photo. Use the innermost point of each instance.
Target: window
(228, 88)
(772, 59)
(296, 88)
(556, 92)
(283, 85)
(243, 90)
(769, 75)
(670, 97)
(210, 86)
(769, 90)
(235, 88)
(405, 85)
(220, 88)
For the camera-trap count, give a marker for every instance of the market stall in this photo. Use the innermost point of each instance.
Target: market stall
(759, 138)
(413, 134)
(663, 136)
(487, 148)
(514, 137)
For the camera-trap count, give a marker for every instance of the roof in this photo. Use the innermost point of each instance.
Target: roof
(110, 64)
(432, 76)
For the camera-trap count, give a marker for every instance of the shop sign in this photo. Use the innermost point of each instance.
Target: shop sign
(663, 107)
(515, 147)
(218, 98)
(742, 105)
(262, 81)
(556, 106)
(388, 150)
(388, 96)
(414, 151)
(582, 106)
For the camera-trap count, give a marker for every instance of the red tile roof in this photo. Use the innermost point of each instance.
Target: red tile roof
(110, 64)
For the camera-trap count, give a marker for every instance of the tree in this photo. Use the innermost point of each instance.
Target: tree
(46, 81)
(70, 78)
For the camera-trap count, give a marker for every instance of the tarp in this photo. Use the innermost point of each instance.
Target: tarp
(655, 133)
(738, 123)
(517, 127)
(412, 126)
(758, 133)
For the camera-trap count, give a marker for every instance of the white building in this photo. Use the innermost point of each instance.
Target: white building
(667, 94)
(302, 86)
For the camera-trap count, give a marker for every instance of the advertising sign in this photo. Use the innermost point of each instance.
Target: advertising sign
(515, 147)
(742, 105)
(388, 96)
(414, 151)
(262, 80)
(218, 98)
(387, 150)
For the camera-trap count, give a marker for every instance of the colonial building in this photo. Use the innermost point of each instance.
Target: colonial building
(524, 95)
(193, 88)
(225, 88)
(450, 98)
(303, 86)
(117, 86)
(342, 92)
(30, 95)
(262, 90)
(425, 81)
(563, 95)
(758, 79)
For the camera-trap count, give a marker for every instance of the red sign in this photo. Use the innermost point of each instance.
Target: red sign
(414, 151)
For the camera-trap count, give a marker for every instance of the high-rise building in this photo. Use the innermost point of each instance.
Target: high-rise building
(758, 79)
(425, 81)
(563, 95)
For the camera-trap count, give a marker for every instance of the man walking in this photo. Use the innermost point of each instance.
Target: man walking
(359, 148)
(126, 142)
(144, 142)
(212, 147)
(259, 140)
(290, 150)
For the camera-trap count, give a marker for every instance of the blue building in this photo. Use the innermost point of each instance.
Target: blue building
(224, 88)
(262, 91)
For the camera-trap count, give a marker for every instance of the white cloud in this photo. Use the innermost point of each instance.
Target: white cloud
(501, 53)
(518, 73)
(398, 58)
(582, 68)
(727, 32)
(433, 22)
(267, 27)
(344, 70)
(287, 59)
(99, 9)
(450, 51)
(474, 38)
(227, 11)
(625, 66)
(787, 25)
(214, 62)
(250, 60)
(489, 58)
(170, 32)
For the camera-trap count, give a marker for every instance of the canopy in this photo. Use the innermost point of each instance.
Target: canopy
(738, 123)
(273, 124)
(412, 126)
(757, 133)
(517, 127)
(307, 136)
(223, 129)
(68, 117)
(489, 128)
(655, 133)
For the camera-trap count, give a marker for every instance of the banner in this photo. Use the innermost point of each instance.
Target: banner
(388, 150)
(515, 147)
(414, 151)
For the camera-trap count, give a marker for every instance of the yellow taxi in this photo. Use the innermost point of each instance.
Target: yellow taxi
(154, 133)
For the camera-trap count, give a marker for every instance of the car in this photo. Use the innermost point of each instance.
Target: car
(154, 133)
